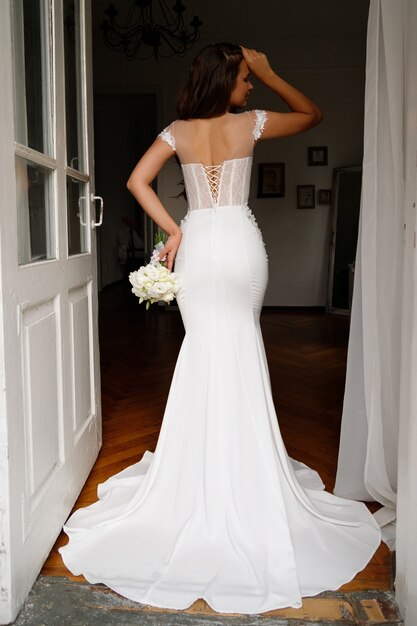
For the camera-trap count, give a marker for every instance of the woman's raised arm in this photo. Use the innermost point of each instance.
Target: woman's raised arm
(139, 184)
(304, 113)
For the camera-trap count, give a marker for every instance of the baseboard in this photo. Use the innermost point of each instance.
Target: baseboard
(295, 309)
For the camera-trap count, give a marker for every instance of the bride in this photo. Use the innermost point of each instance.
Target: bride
(219, 511)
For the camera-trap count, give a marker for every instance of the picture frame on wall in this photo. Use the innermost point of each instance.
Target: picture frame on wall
(306, 195)
(317, 155)
(325, 196)
(271, 180)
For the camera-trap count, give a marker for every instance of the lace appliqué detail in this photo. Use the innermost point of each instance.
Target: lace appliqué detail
(252, 219)
(168, 137)
(213, 174)
(183, 222)
(261, 117)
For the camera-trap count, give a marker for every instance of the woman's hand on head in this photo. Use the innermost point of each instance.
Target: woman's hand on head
(257, 63)
(170, 249)
(304, 112)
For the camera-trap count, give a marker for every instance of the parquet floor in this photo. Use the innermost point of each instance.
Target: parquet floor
(307, 358)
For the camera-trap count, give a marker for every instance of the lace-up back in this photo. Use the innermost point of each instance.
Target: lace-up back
(213, 174)
(219, 185)
(226, 182)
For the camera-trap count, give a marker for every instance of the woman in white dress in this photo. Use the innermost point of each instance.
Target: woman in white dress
(219, 511)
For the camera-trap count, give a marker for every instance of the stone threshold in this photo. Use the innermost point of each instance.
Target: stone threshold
(57, 601)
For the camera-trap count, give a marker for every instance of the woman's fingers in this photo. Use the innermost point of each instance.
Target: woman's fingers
(170, 256)
(170, 250)
(257, 62)
(248, 54)
(170, 259)
(163, 253)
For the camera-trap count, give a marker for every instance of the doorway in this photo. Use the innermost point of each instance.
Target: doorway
(346, 194)
(124, 127)
(161, 331)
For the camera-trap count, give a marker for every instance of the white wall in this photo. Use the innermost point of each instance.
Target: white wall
(318, 46)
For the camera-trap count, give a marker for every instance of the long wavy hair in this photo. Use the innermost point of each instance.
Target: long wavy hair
(211, 80)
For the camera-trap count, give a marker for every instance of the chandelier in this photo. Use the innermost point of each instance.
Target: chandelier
(151, 28)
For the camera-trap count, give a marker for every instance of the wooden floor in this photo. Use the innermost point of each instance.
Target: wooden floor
(307, 358)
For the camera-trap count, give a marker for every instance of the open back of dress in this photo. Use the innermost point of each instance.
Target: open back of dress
(216, 157)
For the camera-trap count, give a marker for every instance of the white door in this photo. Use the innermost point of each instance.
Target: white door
(50, 426)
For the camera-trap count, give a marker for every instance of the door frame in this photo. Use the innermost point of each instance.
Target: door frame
(406, 540)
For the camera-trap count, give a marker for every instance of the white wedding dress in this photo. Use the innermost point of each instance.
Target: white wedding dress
(219, 511)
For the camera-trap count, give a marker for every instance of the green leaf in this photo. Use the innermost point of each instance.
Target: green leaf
(160, 236)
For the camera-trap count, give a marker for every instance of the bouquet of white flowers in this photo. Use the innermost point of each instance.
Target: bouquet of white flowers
(154, 282)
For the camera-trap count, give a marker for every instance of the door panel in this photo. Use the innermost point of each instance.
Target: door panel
(40, 375)
(81, 371)
(50, 429)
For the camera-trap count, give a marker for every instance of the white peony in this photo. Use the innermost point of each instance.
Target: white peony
(154, 282)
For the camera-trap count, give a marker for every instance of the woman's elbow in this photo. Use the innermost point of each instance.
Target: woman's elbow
(317, 117)
(138, 181)
(312, 119)
(133, 184)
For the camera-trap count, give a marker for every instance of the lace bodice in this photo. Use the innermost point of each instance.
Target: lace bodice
(230, 188)
(226, 183)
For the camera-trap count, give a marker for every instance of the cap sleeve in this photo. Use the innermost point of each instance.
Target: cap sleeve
(259, 118)
(167, 135)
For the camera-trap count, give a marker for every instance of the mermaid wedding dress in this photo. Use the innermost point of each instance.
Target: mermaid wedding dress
(219, 511)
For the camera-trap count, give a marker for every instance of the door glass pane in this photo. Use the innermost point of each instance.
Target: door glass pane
(77, 215)
(73, 93)
(31, 49)
(35, 214)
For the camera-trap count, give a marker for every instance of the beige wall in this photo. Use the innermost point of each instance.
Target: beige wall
(317, 45)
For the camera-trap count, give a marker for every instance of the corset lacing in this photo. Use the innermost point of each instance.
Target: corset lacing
(213, 174)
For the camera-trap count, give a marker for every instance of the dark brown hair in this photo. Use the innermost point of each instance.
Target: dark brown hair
(211, 79)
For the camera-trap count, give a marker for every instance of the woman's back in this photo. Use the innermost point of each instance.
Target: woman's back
(216, 156)
(215, 140)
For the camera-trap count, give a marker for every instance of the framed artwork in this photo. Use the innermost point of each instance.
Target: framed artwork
(306, 196)
(317, 155)
(271, 181)
(325, 196)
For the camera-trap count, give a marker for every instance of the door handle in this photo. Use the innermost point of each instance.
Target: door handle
(95, 224)
(80, 210)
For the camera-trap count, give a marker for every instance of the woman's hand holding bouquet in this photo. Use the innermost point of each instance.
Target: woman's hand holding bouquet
(154, 282)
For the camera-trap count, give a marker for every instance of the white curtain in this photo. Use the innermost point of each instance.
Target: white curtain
(368, 455)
